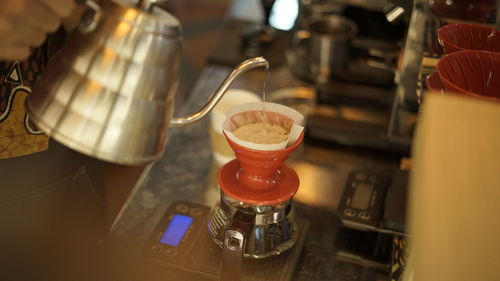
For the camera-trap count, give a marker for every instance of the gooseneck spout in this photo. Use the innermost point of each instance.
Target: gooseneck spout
(217, 95)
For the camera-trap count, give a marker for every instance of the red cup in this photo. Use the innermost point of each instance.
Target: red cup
(463, 37)
(433, 82)
(471, 73)
(472, 10)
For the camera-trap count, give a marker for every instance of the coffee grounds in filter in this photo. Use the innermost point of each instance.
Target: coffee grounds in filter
(261, 132)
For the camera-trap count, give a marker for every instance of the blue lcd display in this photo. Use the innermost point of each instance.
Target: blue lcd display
(176, 230)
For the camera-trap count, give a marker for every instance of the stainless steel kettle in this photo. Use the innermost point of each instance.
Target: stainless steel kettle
(110, 92)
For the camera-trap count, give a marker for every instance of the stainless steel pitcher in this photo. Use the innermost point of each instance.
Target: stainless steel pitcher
(322, 49)
(272, 229)
(247, 231)
(110, 92)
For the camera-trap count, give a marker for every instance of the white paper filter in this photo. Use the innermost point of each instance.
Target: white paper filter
(273, 113)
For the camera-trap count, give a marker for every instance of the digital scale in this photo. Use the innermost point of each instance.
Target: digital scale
(181, 242)
(372, 211)
(375, 202)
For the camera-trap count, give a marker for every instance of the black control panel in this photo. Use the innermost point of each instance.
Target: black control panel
(363, 199)
(174, 239)
(375, 202)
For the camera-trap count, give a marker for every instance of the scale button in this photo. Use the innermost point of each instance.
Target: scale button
(181, 208)
(195, 212)
(349, 212)
(157, 248)
(364, 215)
(171, 252)
(361, 176)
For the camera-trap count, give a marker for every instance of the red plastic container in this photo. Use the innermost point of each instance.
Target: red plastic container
(472, 73)
(462, 37)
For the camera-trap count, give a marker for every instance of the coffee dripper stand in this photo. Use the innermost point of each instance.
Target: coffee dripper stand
(255, 218)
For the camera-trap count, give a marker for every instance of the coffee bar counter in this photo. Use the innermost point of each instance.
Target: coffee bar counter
(187, 172)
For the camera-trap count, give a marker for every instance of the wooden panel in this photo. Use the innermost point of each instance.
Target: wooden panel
(455, 191)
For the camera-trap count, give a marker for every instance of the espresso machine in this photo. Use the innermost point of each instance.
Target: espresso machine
(356, 85)
(346, 54)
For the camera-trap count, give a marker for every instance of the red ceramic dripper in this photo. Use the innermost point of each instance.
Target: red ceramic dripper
(463, 37)
(259, 177)
(434, 83)
(471, 10)
(471, 73)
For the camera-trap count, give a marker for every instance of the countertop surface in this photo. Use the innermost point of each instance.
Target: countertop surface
(187, 172)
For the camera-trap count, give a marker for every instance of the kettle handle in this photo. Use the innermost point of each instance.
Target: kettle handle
(91, 17)
(217, 95)
(140, 3)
